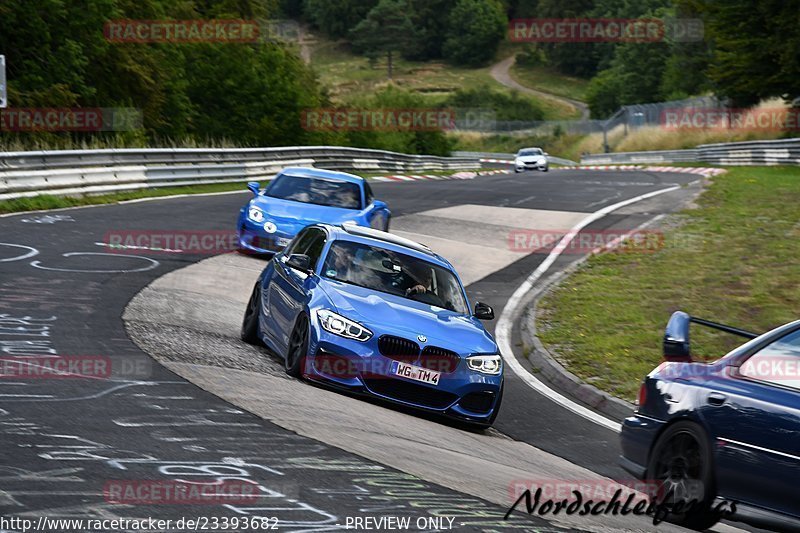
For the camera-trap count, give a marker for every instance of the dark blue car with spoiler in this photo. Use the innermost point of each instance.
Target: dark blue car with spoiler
(724, 435)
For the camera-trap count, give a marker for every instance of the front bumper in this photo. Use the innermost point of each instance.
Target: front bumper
(358, 367)
(536, 165)
(637, 437)
(252, 238)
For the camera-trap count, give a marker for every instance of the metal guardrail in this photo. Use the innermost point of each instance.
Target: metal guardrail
(775, 152)
(99, 171)
(511, 157)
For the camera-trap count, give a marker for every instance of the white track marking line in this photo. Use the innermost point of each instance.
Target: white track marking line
(505, 323)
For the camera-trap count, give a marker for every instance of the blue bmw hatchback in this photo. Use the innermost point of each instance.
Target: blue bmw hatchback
(299, 197)
(373, 313)
(722, 433)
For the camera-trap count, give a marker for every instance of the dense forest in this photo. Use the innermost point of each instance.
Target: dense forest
(254, 93)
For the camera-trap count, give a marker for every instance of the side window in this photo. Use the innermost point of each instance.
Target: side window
(315, 247)
(301, 242)
(368, 196)
(777, 363)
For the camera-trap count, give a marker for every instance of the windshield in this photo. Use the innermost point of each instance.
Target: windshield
(320, 191)
(533, 151)
(394, 273)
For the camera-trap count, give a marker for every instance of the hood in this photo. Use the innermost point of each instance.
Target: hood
(394, 315)
(286, 211)
(531, 158)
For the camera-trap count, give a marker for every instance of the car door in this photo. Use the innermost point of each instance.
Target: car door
(755, 412)
(288, 290)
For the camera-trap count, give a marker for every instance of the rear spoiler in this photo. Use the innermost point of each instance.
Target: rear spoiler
(676, 337)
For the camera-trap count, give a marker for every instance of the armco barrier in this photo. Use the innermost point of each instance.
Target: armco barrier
(776, 152)
(98, 171)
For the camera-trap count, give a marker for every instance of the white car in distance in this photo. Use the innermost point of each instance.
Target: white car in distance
(531, 159)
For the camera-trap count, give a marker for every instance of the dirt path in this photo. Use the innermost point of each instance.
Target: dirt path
(502, 73)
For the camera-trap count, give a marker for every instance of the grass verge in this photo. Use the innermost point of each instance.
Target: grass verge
(733, 258)
(48, 201)
(549, 81)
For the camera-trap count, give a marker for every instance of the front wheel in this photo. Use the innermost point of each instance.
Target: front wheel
(545, 169)
(250, 330)
(298, 347)
(681, 467)
(386, 224)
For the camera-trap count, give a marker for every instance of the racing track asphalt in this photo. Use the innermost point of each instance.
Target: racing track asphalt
(64, 439)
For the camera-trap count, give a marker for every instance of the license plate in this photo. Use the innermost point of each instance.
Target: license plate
(416, 373)
(283, 241)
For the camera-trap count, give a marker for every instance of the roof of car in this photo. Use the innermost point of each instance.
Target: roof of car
(390, 241)
(322, 173)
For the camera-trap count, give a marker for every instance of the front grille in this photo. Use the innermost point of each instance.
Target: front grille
(439, 359)
(266, 243)
(405, 391)
(398, 348)
(477, 402)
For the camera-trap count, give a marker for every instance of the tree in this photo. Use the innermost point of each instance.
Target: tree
(387, 29)
(756, 45)
(337, 17)
(635, 77)
(475, 30)
(430, 19)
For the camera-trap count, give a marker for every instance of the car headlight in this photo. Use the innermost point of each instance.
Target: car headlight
(344, 327)
(256, 214)
(485, 364)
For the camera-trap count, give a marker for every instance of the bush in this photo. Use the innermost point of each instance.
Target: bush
(507, 106)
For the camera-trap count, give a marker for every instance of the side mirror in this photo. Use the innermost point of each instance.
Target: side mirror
(299, 262)
(676, 338)
(254, 186)
(379, 204)
(483, 311)
(546, 153)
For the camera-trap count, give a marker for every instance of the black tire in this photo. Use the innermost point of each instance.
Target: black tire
(387, 223)
(545, 169)
(681, 460)
(298, 347)
(250, 331)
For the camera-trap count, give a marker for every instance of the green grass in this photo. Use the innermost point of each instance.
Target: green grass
(733, 259)
(349, 77)
(48, 201)
(550, 81)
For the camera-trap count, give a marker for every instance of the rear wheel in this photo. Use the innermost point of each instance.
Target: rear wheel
(250, 330)
(680, 465)
(298, 347)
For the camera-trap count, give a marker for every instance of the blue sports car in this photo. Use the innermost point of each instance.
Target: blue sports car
(299, 197)
(370, 312)
(725, 435)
